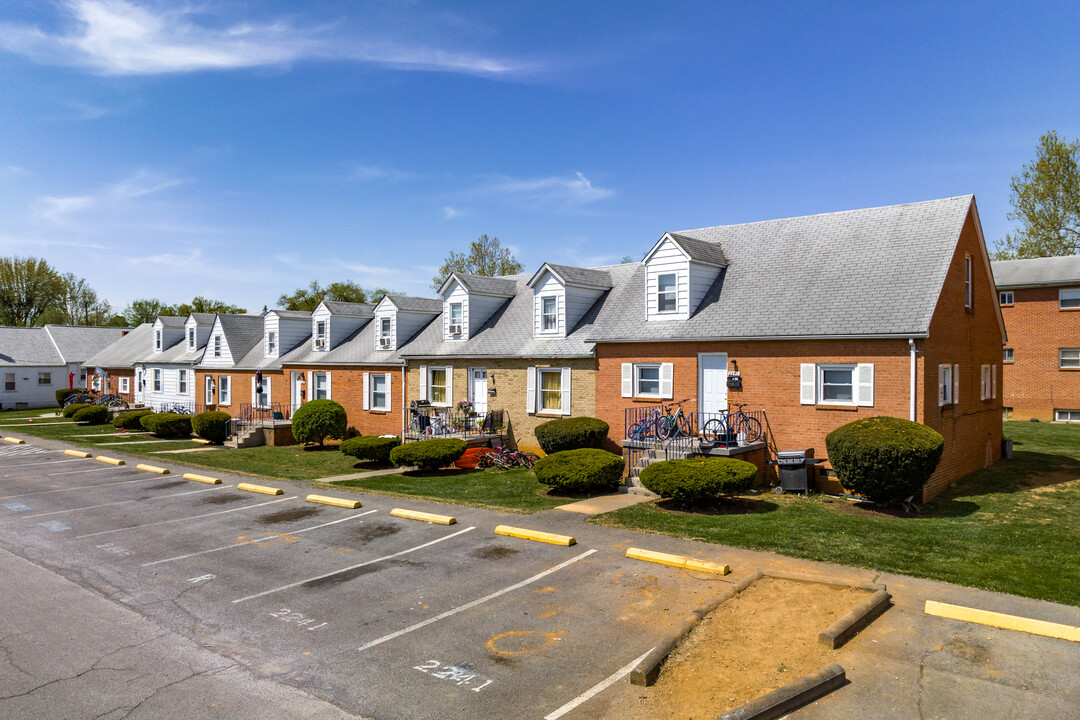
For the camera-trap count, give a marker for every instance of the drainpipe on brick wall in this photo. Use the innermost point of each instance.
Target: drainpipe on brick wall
(911, 346)
(404, 395)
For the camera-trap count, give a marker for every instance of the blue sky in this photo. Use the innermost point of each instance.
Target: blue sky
(243, 149)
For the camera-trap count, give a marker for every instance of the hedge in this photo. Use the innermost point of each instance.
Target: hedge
(571, 434)
(883, 458)
(370, 447)
(131, 420)
(581, 470)
(91, 415)
(168, 425)
(62, 393)
(74, 408)
(317, 420)
(697, 479)
(212, 425)
(428, 454)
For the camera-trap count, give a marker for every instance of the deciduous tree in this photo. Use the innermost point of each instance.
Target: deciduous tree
(486, 256)
(145, 310)
(345, 291)
(200, 304)
(28, 288)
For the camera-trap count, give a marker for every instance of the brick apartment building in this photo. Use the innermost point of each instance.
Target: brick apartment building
(1040, 301)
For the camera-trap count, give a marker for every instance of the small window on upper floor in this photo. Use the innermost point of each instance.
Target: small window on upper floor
(217, 346)
(1069, 358)
(667, 292)
(969, 286)
(549, 314)
(1005, 297)
(271, 342)
(384, 333)
(1069, 298)
(1007, 355)
(455, 318)
(157, 339)
(320, 334)
(191, 338)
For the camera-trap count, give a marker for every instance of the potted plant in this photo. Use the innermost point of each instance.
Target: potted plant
(465, 407)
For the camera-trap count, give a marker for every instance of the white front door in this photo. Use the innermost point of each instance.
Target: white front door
(478, 388)
(297, 388)
(712, 385)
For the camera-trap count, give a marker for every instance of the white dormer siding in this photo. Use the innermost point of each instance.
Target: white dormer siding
(320, 340)
(200, 332)
(408, 324)
(338, 327)
(685, 282)
(454, 295)
(165, 337)
(571, 304)
(216, 341)
(385, 313)
(272, 335)
(290, 332)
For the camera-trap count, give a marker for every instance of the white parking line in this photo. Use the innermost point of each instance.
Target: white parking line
(76, 472)
(20, 466)
(193, 517)
(595, 689)
(474, 603)
(255, 542)
(82, 487)
(125, 502)
(352, 567)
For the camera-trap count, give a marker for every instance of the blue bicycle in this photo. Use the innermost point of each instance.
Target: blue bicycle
(661, 426)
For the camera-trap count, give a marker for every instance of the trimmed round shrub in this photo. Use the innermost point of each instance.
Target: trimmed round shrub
(697, 479)
(581, 470)
(428, 454)
(91, 415)
(883, 458)
(73, 408)
(168, 425)
(62, 394)
(317, 420)
(370, 447)
(212, 425)
(571, 434)
(131, 420)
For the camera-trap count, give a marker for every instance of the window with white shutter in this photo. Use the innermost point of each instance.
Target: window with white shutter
(627, 380)
(808, 383)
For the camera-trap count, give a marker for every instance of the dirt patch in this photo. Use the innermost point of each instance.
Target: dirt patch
(494, 552)
(223, 499)
(167, 485)
(870, 510)
(290, 515)
(344, 577)
(366, 533)
(1050, 481)
(760, 640)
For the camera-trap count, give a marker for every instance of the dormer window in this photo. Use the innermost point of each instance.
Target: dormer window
(217, 346)
(666, 292)
(271, 342)
(549, 314)
(157, 340)
(455, 318)
(191, 338)
(384, 333)
(320, 334)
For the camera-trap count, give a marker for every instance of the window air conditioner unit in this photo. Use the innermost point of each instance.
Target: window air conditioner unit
(320, 344)
(384, 342)
(455, 329)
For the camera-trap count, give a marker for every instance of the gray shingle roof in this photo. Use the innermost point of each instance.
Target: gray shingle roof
(53, 345)
(1037, 271)
(294, 313)
(171, 321)
(126, 351)
(408, 303)
(357, 349)
(484, 285)
(868, 272)
(242, 333)
(589, 277)
(203, 318)
(337, 307)
(708, 252)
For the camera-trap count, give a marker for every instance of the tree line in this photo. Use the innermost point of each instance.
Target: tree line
(32, 292)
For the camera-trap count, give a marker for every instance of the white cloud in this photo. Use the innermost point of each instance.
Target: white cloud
(450, 212)
(57, 209)
(375, 172)
(118, 37)
(575, 190)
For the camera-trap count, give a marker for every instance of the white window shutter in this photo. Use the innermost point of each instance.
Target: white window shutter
(940, 385)
(808, 383)
(309, 392)
(389, 391)
(254, 397)
(328, 395)
(367, 392)
(566, 391)
(530, 390)
(993, 382)
(628, 380)
(667, 377)
(956, 384)
(984, 383)
(865, 384)
(450, 385)
(423, 382)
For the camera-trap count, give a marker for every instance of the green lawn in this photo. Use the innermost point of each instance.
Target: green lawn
(1011, 528)
(515, 490)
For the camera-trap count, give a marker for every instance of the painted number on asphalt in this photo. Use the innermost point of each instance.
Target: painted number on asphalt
(462, 674)
(299, 619)
(201, 578)
(114, 549)
(16, 507)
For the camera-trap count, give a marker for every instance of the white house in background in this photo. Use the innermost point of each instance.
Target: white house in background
(35, 362)
(165, 373)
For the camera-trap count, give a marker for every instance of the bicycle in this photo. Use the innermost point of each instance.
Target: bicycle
(739, 423)
(661, 426)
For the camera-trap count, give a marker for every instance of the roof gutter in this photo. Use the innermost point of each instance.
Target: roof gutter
(755, 338)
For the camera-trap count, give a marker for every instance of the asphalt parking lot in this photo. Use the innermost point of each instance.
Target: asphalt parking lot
(386, 617)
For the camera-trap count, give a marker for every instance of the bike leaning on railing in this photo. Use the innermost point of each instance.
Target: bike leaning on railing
(737, 424)
(662, 426)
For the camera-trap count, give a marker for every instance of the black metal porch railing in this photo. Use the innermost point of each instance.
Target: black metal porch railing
(251, 415)
(428, 422)
(180, 408)
(677, 432)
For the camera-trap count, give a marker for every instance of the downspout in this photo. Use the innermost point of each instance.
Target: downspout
(911, 346)
(404, 381)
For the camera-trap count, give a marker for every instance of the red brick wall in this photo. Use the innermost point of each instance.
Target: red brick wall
(1034, 384)
(112, 385)
(347, 388)
(969, 338)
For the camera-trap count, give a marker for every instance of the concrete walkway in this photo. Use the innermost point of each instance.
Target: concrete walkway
(604, 503)
(357, 476)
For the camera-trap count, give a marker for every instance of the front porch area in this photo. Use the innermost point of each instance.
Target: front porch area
(426, 422)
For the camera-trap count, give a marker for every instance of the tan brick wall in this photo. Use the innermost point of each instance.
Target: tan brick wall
(509, 379)
(1034, 385)
(240, 389)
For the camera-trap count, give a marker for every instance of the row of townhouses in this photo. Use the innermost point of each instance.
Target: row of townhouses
(809, 322)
